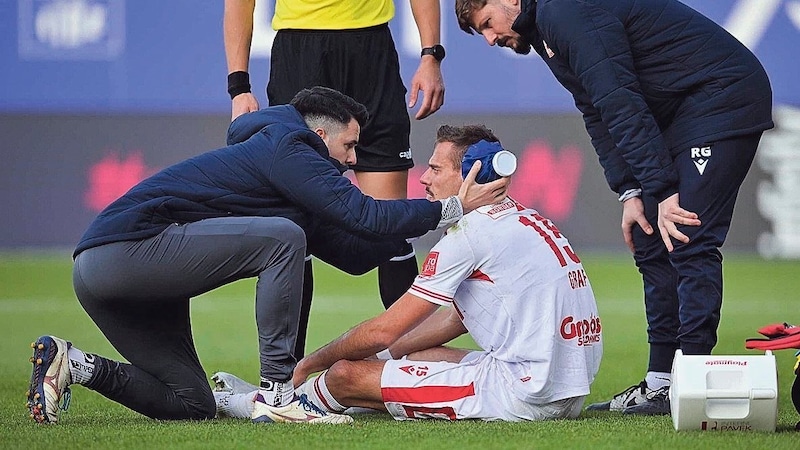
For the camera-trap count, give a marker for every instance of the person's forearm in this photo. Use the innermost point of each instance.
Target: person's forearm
(427, 16)
(371, 336)
(357, 343)
(438, 329)
(238, 33)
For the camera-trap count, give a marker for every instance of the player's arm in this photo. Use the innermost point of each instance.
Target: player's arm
(368, 337)
(440, 328)
(428, 77)
(237, 26)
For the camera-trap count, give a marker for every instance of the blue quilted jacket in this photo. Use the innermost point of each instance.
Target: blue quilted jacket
(273, 166)
(650, 77)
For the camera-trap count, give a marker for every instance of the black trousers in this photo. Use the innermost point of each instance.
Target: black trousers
(361, 63)
(683, 289)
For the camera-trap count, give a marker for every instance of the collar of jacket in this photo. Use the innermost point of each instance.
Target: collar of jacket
(339, 166)
(525, 25)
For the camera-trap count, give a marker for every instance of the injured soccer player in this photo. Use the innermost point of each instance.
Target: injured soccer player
(505, 275)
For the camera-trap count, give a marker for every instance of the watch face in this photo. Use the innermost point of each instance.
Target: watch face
(438, 52)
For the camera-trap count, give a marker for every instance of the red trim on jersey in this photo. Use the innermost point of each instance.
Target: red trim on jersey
(478, 275)
(422, 291)
(458, 311)
(427, 394)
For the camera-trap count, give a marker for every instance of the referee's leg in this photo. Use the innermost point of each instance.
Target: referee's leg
(397, 275)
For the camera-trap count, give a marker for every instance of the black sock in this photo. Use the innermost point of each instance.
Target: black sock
(395, 277)
(305, 310)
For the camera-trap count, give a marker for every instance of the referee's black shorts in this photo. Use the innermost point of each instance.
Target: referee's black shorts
(361, 63)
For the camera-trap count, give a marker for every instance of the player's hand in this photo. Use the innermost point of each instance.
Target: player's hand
(243, 103)
(428, 79)
(632, 214)
(474, 195)
(670, 213)
(300, 374)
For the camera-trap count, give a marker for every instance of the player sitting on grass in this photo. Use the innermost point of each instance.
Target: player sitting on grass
(509, 278)
(251, 209)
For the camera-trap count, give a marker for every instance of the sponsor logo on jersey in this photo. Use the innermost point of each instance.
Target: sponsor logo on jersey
(700, 157)
(584, 331)
(429, 266)
(505, 206)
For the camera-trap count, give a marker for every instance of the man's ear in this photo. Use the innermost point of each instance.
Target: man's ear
(321, 133)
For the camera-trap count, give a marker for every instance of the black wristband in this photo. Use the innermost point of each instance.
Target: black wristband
(238, 83)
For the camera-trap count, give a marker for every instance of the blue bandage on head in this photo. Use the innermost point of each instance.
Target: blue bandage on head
(495, 162)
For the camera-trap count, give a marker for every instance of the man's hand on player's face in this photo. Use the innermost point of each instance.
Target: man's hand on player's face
(474, 195)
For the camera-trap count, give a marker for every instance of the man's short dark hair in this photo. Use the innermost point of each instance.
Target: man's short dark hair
(464, 9)
(464, 136)
(320, 101)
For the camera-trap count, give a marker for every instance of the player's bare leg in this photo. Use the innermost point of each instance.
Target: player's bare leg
(383, 185)
(356, 383)
(442, 353)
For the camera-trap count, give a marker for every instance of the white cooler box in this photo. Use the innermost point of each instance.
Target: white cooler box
(724, 393)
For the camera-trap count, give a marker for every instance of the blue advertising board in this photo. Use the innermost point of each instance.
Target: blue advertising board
(129, 56)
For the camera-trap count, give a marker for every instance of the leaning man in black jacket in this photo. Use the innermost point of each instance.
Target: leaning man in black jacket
(251, 209)
(675, 107)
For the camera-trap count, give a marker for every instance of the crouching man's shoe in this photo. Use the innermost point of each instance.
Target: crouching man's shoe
(48, 393)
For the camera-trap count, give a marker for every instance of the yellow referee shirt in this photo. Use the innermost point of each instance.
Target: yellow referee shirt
(331, 14)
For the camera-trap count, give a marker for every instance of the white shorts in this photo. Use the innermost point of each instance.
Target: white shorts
(476, 388)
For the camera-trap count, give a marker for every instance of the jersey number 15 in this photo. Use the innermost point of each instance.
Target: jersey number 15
(543, 226)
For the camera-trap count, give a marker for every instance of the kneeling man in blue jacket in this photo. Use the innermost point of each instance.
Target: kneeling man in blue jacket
(252, 209)
(675, 107)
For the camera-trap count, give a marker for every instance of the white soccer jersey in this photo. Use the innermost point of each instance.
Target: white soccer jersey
(522, 294)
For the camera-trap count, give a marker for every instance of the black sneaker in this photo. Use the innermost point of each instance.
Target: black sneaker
(632, 396)
(657, 404)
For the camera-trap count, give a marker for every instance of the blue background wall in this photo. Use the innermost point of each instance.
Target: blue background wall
(97, 94)
(167, 56)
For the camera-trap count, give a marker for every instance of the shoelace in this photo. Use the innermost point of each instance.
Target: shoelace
(66, 398)
(641, 386)
(659, 394)
(311, 407)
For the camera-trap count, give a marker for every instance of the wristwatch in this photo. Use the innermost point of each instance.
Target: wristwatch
(437, 51)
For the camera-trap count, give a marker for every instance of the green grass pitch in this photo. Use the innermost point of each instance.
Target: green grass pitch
(36, 298)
